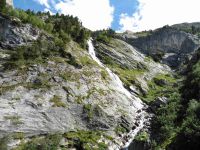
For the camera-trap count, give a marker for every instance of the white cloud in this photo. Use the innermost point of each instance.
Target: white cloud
(94, 14)
(48, 10)
(43, 2)
(152, 14)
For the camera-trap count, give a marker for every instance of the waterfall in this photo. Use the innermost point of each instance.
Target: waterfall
(119, 86)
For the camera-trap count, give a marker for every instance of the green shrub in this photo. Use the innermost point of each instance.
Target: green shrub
(15, 120)
(142, 136)
(62, 26)
(56, 100)
(35, 53)
(87, 108)
(87, 140)
(2, 5)
(50, 142)
(3, 143)
(161, 85)
(104, 74)
(120, 130)
(104, 35)
(18, 135)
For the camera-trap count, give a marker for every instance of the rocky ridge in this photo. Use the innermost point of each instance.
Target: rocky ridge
(170, 44)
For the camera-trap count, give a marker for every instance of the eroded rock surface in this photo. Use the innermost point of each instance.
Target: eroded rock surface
(169, 43)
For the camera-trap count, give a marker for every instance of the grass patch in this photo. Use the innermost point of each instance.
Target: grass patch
(148, 59)
(3, 143)
(87, 108)
(70, 76)
(161, 85)
(119, 129)
(39, 84)
(142, 136)
(87, 140)
(143, 33)
(15, 120)
(18, 135)
(88, 73)
(104, 74)
(128, 77)
(56, 100)
(79, 99)
(36, 53)
(4, 89)
(50, 142)
(86, 61)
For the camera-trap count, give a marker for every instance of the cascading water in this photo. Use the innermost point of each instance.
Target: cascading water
(114, 77)
(119, 86)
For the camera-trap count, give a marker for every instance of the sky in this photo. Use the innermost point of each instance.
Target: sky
(120, 15)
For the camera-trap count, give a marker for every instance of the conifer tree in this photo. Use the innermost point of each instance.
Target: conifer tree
(2, 5)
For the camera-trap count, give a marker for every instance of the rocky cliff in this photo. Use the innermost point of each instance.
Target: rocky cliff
(60, 93)
(168, 44)
(70, 92)
(13, 33)
(132, 66)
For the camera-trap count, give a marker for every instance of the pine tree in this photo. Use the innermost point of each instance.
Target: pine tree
(2, 5)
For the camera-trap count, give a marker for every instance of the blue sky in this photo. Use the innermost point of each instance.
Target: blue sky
(120, 6)
(121, 15)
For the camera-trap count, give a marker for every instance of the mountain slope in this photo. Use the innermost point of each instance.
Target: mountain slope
(166, 44)
(59, 89)
(49, 86)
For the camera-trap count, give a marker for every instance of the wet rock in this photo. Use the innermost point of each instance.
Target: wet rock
(139, 145)
(126, 56)
(133, 128)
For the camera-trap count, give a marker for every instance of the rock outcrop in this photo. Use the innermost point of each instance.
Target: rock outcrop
(119, 54)
(13, 33)
(73, 92)
(58, 95)
(168, 43)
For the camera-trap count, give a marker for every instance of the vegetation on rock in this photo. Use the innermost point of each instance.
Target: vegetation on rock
(63, 27)
(104, 35)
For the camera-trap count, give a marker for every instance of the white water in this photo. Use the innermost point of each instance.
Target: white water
(119, 86)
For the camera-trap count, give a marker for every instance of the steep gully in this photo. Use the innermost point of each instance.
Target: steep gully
(142, 115)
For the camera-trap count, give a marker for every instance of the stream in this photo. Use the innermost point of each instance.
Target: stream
(139, 105)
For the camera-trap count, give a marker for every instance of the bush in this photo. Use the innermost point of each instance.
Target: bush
(2, 5)
(104, 35)
(3, 143)
(87, 140)
(61, 26)
(142, 136)
(38, 51)
(57, 102)
(50, 142)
